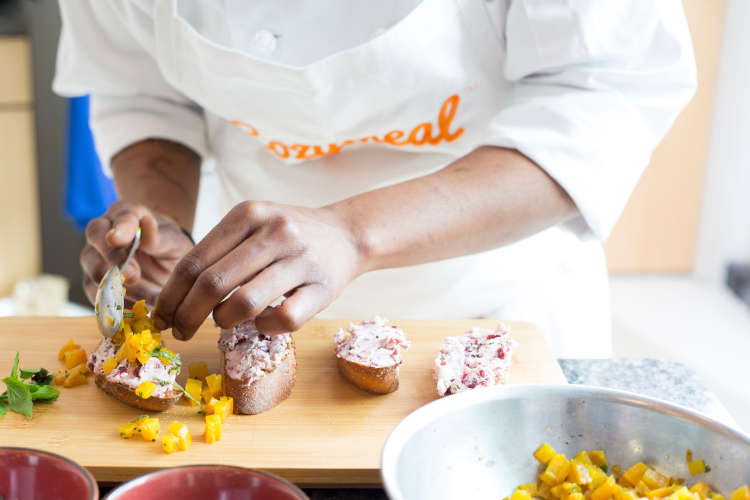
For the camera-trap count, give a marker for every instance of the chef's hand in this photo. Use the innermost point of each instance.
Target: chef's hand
(267, 250)
(108, 240)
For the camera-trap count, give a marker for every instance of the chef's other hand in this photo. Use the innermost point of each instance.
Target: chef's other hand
(108, 240)
(267, 250)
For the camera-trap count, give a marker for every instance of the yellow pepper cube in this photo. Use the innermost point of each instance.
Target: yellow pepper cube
(557, 470)
(198, 370)
(579, 473)
(76, 376)
(696, 467)
(74, 357)
(654, 479)
(109, 365)
(633, 475)
(149, 429)
(717, 496)
(213, 382)
(222, 409)
(741, 493)
(597, 457)
(605, 491)
(682, 493)
(193, 387)
(626, 494)
(598, 476)
(128, 430)
(209, 405)
(701, 489)
(60, 375)
(143, 324)
(520, 495)
(530, 487)
(140, 310)
(145, 389)
(545, 453)
(213, 430)
(181, 432)
(661, 492)
(576, 495)
(142, 355)
(583, 458)
(67, 346)
(169, 443)
(122, 352)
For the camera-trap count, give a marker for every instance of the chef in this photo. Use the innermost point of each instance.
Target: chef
(423, 159)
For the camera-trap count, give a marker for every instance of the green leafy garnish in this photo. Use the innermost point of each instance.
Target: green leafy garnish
(19, 396)
(28, 373)
(14, 370)
(159, 353)
(44, 393)
(128, 315)
(708, 468)
(603, 467)
(3, 409)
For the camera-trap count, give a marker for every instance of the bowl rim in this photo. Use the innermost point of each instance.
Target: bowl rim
(439, 407)
(81, 469)
(137, 481)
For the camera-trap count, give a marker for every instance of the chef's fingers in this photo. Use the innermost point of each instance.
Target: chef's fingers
(144, 290)
(233, 229)
(96, 230)
(126, 217)
(215, 283)
(254, 297)
(301, 305)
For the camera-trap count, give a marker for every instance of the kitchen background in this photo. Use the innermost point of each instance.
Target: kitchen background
(682, 241)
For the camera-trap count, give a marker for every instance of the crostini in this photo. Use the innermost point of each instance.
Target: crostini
(478, 358)
(258, 370)
(369, 354)
(135, 366)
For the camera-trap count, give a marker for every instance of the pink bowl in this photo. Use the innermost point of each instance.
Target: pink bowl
(27, 474)
(208, 482)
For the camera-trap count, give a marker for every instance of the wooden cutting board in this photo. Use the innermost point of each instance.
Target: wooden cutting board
(327, 433)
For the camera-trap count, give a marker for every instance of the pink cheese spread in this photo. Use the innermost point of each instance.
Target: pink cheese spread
(133, 374)
(371, 343)
(478, 358)
(249, 355)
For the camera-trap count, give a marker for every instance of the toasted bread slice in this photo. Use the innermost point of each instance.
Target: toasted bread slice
(380, 380)
(127, 395)
(267, 391)
(368, 354)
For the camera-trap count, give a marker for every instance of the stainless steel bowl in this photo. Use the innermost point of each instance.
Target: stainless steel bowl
(479, 444)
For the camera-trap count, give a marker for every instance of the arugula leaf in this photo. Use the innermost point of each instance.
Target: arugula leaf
(29, 373)
(14, 371)
(19, 396)
(44, 393)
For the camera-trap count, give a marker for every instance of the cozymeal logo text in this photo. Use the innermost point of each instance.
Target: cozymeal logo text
(425, 133)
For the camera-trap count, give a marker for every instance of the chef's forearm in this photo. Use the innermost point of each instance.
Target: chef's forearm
(487, 199)
(162, 175)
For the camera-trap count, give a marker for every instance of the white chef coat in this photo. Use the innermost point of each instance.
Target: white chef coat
(308, 103)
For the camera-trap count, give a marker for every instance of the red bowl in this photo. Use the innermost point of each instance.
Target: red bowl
(27, 474)
(208, 482)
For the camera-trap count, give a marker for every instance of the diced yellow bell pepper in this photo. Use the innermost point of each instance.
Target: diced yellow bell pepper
(109, 365)
(76, 376)
(716, 496)
(701, 489)
(545, 453)
(564, 490)
(576, 496)
(122, 352)
(67, 346)
(597, 457)
(193, 387)
(530, 487)
(661, 492)
(520, 495)
(633, 475)
(579, 473)
(627, 494)
(696, 467)
(145, 389)
(208, 406)
(583, 458)
(198, 370)
(213, 382)
(165, 359)
(169, 443)
(74, 357)
(557, 470)
(223, 408)
(213, 429)
(682, 493)
(143, 324)
(598, 476)
(741, 493)
(605, 491)
(128, 430)
(181, 432)
(654, 479)
(60, 376)
(140, 310)
(543, 491)
(149, 429)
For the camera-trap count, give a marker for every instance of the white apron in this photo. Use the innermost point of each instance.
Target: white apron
(401, 105)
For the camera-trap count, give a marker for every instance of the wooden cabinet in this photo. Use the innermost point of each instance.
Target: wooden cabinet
(19, 201)
(659, 227)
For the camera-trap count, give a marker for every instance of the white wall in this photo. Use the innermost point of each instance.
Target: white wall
(725, 223)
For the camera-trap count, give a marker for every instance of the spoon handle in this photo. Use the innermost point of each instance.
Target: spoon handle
(136, 243)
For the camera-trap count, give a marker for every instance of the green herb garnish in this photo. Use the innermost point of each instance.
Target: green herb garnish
(159, 353)
(200, 405)
(128, 315)
(708, 468)
(19, 395)
(604, 467)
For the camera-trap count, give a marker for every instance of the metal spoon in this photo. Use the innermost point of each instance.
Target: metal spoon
(110, 296)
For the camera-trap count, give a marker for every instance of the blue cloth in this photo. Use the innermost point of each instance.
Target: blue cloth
(88, 192)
